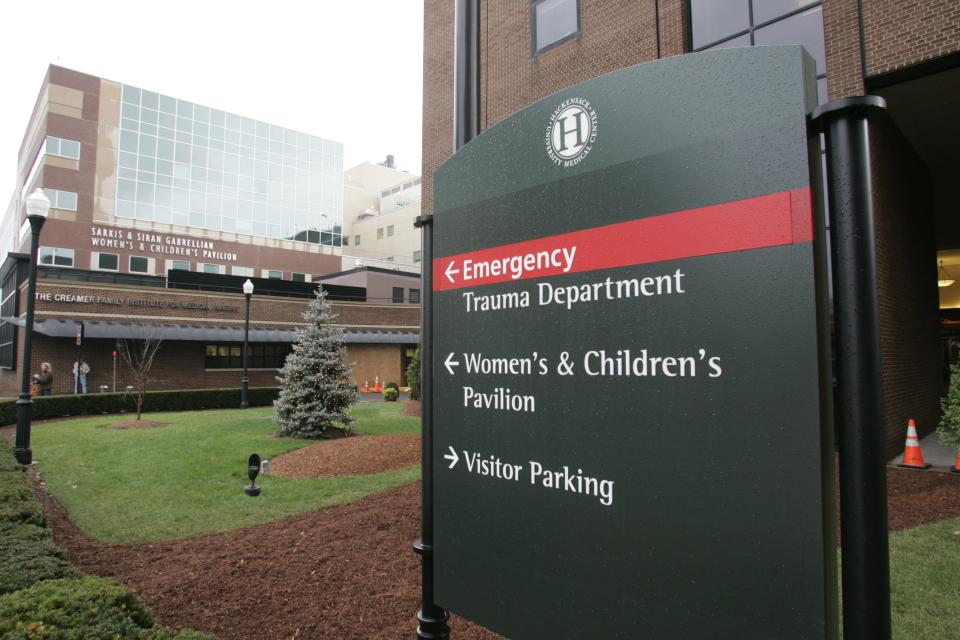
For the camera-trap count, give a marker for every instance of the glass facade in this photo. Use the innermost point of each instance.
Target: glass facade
(721, 24)
(184, 163)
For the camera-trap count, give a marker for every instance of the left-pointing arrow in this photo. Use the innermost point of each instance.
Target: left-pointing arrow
(450, 363)
(451, 270)
(452, 457)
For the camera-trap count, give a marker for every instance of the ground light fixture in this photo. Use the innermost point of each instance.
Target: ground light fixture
(37, 206)
(253, 470)
(943, 278)
(245, 381)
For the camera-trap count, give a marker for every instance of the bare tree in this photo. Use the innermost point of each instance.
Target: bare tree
(139, 354)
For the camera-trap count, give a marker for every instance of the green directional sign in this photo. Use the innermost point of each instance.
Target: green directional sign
(631, 396)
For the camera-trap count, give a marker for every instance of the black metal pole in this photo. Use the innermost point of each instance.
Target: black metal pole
(76, 380)
(467, 70)
(24, 403)
(432, 618)
(245, 381)
(863, 482)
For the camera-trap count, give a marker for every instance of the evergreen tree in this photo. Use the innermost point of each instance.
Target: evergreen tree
(315, 388)
(413, 375)
(949, 427)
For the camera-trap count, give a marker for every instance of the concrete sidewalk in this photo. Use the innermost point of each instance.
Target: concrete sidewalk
(934, 453)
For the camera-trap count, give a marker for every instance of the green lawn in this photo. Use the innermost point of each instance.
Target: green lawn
(187, 479)
(924, 584)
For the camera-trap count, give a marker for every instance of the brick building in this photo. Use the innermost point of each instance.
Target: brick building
(200, 324)
(160, 209)
(908, 53)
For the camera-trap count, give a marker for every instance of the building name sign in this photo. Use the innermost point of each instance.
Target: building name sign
(111, 238)
(133, 302)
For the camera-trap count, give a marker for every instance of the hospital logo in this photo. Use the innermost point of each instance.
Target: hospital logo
(572, 132)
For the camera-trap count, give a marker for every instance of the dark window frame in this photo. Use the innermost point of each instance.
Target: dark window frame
(414, 293)
(395, 299)
(260, 355)
(100, 266)
(534, 50)
(130, 260)
(751, 29)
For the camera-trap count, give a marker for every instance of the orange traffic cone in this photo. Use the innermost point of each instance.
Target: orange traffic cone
(956, 467)
(376, 384)
(366, 386)
(912, 455)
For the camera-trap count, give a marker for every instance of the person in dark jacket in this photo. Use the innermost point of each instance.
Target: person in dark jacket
(44, 379)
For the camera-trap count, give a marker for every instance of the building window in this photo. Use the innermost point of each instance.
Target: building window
(259, 356)
(390, 231)
(415, 296)
(356, 240)
(721, 24)
(417, 256)
(380, 233)
(273, 274)
(554, 21)
(64, 148)
(187, 164)
(182, 265)
(108, 261)
(211, 268)
(397, 295)
(139, 264)
(62, 199)
(298, 277)
(346, 241)
(55, 256)
(242, 271)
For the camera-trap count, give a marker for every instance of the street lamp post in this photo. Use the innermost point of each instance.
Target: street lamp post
(247, 293)
(38, 205)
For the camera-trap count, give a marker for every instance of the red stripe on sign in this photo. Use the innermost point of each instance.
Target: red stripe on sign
(766, 221)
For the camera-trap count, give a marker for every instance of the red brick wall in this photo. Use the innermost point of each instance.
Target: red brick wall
(181, 365)
(913, 370)
(841, 30)
(899, 34)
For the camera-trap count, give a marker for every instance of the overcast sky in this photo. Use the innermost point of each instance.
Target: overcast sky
(347, 71)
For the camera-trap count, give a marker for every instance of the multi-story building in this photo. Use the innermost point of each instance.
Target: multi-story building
(908, 53)
(380, 204)
(153, 195)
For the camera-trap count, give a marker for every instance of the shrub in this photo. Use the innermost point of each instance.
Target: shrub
(949, 427)
(73, 609)
(17, 503)
(391, 385)
(47, 407)
(390, 394)
(413, 375)
(28, 555)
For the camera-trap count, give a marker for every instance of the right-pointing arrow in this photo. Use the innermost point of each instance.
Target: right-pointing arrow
(452, 457)
(450, 365)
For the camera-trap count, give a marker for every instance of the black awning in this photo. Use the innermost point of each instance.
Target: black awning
(56, 328)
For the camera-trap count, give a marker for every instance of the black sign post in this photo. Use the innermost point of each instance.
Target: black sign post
(630, 406)
(863, 479)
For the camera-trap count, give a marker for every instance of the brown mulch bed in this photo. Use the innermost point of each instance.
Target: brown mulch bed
(349, 457)
(916, 497)
(343, 572)
(135, 424)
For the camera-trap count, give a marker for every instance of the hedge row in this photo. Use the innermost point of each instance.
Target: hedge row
(45, 407)
(81, 609)
(41, 595)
